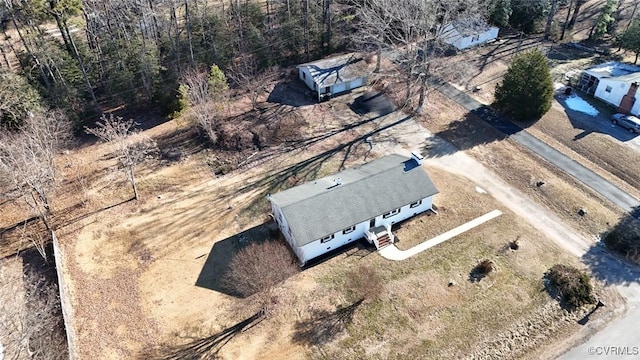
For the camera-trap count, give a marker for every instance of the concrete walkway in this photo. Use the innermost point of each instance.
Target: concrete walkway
(521, 136)
(391, 252)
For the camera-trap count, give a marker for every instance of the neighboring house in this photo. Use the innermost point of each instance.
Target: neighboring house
(329, 77)
(614, 83)
(319, 216)
(464, 34)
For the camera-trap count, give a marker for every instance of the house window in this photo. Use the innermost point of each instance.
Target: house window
(348, 230)
(608, 89)
(304, 75)
(391, 213)
(475, 38)
(416, 204)
(327, 238)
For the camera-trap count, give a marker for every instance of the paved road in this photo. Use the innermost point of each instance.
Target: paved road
(573, 168)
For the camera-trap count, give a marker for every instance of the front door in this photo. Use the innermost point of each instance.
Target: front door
(372, 223)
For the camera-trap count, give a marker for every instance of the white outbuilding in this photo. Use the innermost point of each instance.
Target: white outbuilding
(335, 75)
(467, 33)
(362, 202)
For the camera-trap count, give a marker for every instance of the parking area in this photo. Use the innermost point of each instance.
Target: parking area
(593, 116)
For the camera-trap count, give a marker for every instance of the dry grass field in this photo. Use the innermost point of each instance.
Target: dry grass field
(146, 275)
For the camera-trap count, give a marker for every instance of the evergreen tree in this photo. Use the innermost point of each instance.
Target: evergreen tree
(217, 83)
(630, 39)
(605, 21)
(528, 15)
(500, 12)
(526, 90)
(17, 98)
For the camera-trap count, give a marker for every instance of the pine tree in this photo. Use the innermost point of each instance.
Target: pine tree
(526, 90)
(630, 39)
(500, 12)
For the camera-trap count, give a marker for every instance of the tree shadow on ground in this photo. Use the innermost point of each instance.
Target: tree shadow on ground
(313, 164)
(217, 264)
(291, 92)
(469, 132)
(324, 326)
(186, 139)
(610, 268)
(203, 348)
(589, 124)
(614, 260)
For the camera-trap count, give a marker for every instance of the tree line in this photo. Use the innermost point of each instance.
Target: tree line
(136, 52)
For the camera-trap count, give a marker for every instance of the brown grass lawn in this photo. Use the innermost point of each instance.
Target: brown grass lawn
(133, 269)
(143, 275)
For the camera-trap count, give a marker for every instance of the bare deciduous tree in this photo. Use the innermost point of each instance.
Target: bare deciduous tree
(27, 160)
(258, 268)
(246, 75)
(205, 94)
(131, 147)
(416, 30)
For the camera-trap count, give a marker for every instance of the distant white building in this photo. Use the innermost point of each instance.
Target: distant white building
(335, 75)
(325, 214)
(464, 34)
(614, 83)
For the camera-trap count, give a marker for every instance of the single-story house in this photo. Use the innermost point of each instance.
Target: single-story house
(614, 83)
(333, 76)
(464, 34)
(319, 216)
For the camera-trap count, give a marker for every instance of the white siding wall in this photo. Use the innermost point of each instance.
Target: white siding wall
(635, 110)
(618, 90)
(284, 228)
(454, 38)
(317, 248)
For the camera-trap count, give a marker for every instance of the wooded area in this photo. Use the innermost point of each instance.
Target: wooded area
(86, 57)
(105, 54)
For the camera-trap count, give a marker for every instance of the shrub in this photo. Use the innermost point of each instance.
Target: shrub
(484, 268)
(571, 285)
(258, 268)
(625, 239)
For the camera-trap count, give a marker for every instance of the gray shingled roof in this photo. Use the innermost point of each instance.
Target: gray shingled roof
(338, 69)
(319, 208)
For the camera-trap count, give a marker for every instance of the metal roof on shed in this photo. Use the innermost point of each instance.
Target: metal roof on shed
(338, 69)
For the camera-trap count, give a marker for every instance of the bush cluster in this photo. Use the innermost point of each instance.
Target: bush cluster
(572, 285)
(625, 239)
